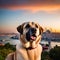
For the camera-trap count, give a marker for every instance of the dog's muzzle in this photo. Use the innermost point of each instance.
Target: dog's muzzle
(31, 34)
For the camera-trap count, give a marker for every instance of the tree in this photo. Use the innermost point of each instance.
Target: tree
(5, 50)
(45, 55)
(54, 53)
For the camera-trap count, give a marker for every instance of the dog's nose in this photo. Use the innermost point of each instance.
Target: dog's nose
(33, 30)
(30, 35)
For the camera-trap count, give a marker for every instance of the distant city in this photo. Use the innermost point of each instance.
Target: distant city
(54, 36)
(49, 39)
(8, 34)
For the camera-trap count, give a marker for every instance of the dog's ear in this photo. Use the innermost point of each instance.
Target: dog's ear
(20, 29)
(40, 30)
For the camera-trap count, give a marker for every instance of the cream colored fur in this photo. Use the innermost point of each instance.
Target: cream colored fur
(34, 54)
(24, 54)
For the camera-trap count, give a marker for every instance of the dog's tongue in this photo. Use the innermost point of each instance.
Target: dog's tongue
(32, 37)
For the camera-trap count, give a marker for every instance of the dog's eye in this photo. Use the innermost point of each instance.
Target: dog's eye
(36, 26)
(27, 26)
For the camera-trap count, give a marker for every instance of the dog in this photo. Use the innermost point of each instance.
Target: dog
(29, 47)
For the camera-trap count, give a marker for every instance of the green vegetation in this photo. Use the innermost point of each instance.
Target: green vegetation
(53, 54)
(5, 50)
(45, 55)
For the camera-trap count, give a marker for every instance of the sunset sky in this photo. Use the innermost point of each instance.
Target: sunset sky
(15, 12)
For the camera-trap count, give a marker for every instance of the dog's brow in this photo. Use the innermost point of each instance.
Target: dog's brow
(27, 26)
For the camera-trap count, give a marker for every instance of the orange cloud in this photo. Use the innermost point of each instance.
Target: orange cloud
(34, 8)
(32, 5)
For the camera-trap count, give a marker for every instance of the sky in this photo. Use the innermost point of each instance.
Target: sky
(15, 12)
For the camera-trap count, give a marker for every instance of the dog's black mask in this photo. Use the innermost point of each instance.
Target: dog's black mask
(31, 34)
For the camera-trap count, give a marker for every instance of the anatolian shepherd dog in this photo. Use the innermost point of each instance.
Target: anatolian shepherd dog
(29, 48)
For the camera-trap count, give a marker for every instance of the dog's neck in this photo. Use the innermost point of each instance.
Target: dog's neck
(21, 51)
(21, 46)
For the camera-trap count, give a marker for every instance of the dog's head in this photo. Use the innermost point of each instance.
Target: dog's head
(30, 34)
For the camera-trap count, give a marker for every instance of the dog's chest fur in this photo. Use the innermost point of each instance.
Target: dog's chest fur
(26, 54)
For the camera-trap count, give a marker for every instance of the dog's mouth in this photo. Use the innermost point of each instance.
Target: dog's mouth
(33, 37)
(30, 37)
